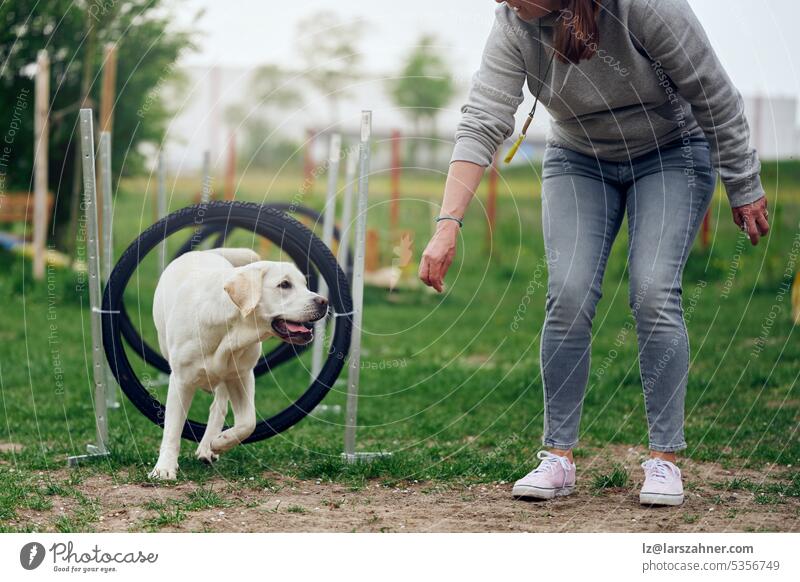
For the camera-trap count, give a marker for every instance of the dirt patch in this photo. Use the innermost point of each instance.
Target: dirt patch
(306, 506)
(11, 448)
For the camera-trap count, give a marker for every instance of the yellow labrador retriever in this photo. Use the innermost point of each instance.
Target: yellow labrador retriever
(212, 309)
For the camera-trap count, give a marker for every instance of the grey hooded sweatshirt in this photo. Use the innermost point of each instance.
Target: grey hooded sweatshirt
(654, 80)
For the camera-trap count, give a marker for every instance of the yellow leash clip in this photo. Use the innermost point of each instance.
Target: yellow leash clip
(514, 148)
(513, 151)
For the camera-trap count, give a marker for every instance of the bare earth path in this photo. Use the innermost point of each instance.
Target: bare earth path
(289, 505)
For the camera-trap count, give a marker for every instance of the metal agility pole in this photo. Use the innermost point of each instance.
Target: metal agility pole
(161, 206)
(347, 212)
(112, 393)
(99, 448)
(206, 191)
(354, 365)
(328, 215)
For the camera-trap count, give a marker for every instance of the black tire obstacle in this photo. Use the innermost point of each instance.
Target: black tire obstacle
(295, 239)
(270, 360)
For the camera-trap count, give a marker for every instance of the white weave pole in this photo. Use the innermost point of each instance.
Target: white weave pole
(354, 365)
(112, 398)
(161, 206)
(99, 448)
(347, 209)
(205, 193)
(328, 215)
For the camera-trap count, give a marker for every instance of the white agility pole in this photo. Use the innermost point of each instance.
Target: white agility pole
(161, 207)
(99, 448)
(328, 215)
(354, 365)
(347, 209)
(112, 394)
(205, 193)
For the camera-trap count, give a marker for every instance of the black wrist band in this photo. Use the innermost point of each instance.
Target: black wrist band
(458, 220)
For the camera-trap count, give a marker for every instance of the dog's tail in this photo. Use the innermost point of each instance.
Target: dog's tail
(237, 257)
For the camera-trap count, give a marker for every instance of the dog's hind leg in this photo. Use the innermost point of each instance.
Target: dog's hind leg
(216, 420)
(179, 399)
(242, 395)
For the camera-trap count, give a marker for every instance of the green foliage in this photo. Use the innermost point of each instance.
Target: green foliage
(74, 34)
(328, 49)
(780, 173)
(423, 87)
(256, 118)
(425, 84)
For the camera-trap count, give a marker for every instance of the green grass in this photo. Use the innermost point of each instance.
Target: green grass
(174, 511)
(765, 493)
(690, 518)
(618, 477)
(459, 398)
(166, 517)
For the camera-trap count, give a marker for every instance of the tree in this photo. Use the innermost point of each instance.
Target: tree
(423, 88)
(269, 96)
(74, 33)
(329, 52)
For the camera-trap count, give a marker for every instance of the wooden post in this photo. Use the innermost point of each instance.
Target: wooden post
(109, 84)
(706, 229)
(491, 202)
(263, 248)
(308, 160)
(230, 170)
(107, 97)
(372, 258)
(395, 204)
(41, 133)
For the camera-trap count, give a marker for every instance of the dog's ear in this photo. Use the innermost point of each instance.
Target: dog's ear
(245, 285)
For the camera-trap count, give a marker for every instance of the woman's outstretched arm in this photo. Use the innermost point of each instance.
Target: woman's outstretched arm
(463, 179)
(675, 41)
(487, 120)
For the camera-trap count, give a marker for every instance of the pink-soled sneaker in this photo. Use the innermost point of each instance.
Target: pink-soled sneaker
(662, 483)
(554, 477)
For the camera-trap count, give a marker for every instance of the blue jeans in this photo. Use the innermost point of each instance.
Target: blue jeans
(666, 194)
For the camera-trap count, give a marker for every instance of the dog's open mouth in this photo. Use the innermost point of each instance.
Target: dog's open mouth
(294, 332)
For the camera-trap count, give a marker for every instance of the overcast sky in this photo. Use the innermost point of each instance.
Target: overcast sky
(752, 37)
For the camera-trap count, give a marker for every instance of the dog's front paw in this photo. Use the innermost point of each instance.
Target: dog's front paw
(206, 455)
(164, 472)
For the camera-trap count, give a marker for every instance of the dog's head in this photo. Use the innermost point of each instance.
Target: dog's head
(275, 293)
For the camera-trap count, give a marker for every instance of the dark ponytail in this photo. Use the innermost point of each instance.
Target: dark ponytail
(577, 35)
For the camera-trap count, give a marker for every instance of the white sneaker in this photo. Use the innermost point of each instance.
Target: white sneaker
(662, 483)
(554, 477)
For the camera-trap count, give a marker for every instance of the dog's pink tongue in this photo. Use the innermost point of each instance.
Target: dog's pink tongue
(296, 327)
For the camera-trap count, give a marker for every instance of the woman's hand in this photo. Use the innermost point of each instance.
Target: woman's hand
(439, 255)
(463, 179)
(752, 219)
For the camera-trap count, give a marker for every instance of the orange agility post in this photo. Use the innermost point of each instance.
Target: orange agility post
(308, 159)
(395, 196)
(372, 258)
(706, 229)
